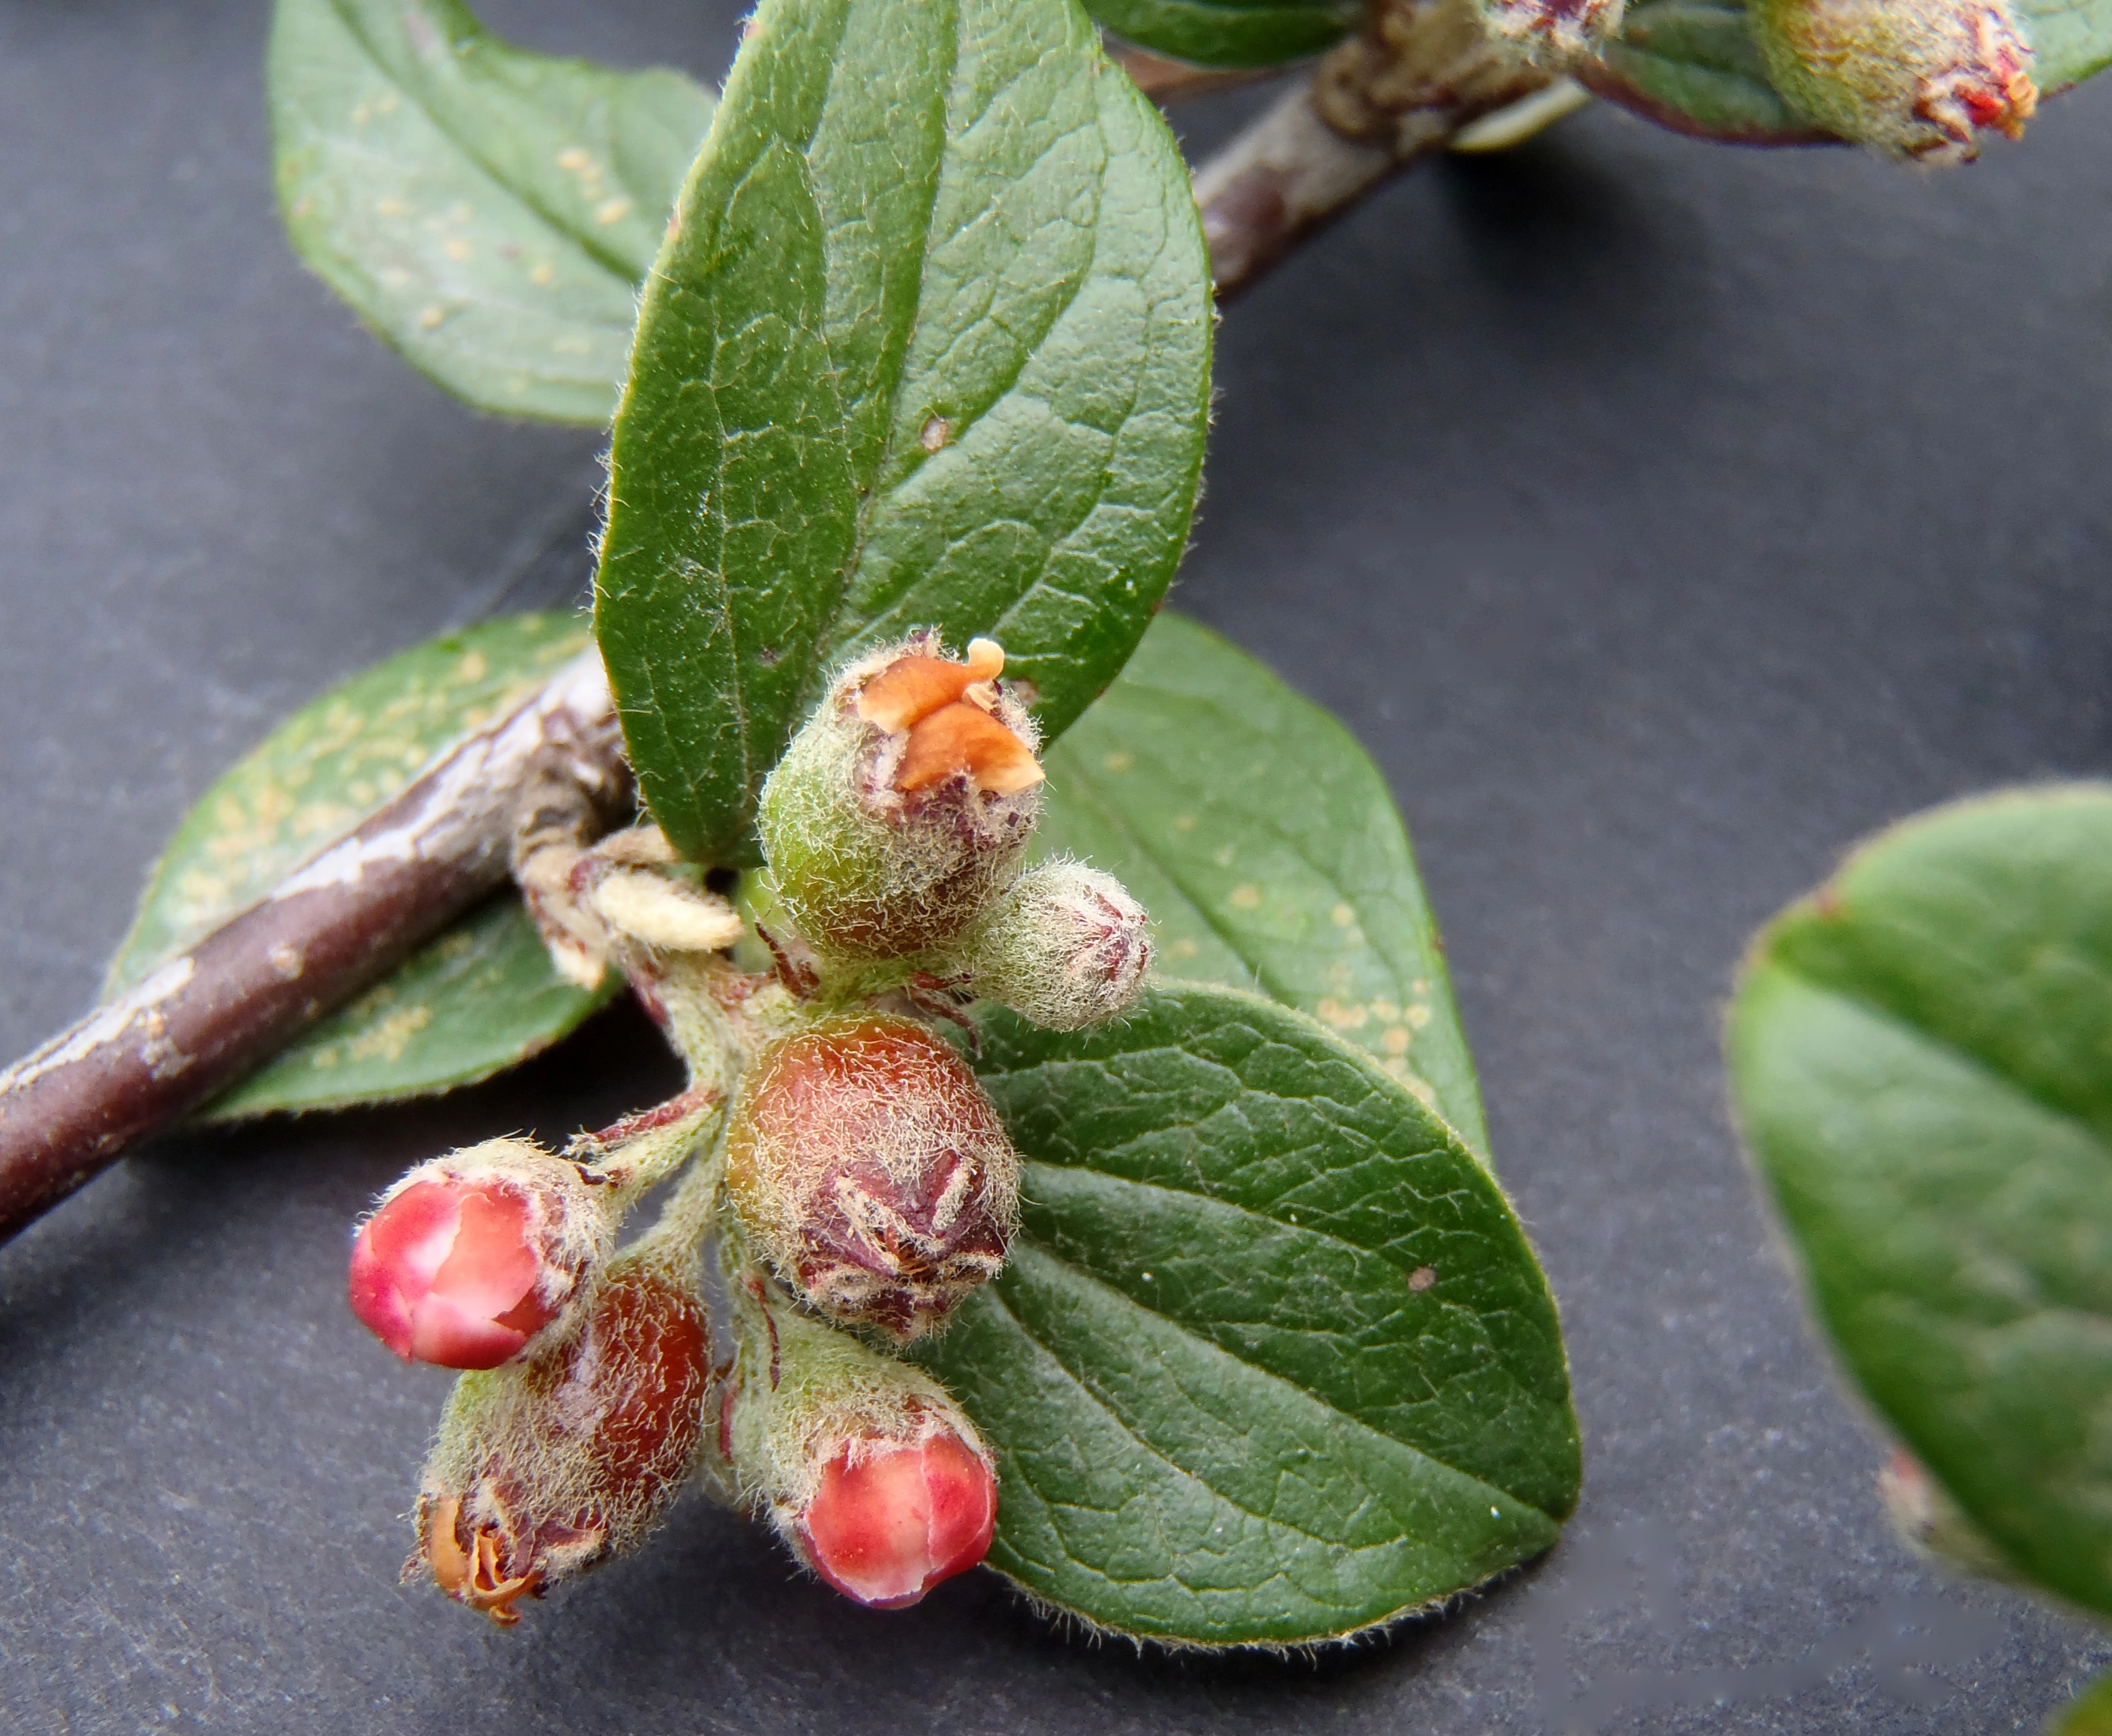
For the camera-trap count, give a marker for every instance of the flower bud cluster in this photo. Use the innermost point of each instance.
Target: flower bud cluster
(871, 1181)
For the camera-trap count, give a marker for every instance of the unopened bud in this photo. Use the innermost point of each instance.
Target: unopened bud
(866, 1466)
(1067, 947)
(872, 1172)
(1910, 78)
(891, 1519)
(543, 1471)
(900, 810)
(470, 1256)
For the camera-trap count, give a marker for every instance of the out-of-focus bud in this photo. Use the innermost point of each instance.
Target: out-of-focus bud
(1928, 1520)
(1552, 33)
(470, 1256)
(871, 1170)
(543, 1471)
(899, 811)
(1921, 79)
(865, 1465)
(1067, 947)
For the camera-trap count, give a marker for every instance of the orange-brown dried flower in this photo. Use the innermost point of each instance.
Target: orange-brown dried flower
(543, 1471)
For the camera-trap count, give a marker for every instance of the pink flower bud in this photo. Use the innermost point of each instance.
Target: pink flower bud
(545, 1470)
(468, 1257)
(890, 1520)
(873, 1172)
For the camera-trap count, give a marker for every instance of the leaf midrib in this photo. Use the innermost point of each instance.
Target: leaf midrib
(1129, 1427)
(615, 266)
(878, 606)
(1893, 1018)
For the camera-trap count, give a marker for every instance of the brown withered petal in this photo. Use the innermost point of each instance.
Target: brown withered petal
(961, 737)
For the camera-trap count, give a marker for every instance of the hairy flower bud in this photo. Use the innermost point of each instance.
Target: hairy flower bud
(1067, 947)
(1910, 78)
(872, 1171)
(1553, 33)
(470, 1256)
(899, 812)
(866, 1466)
(543, 1471)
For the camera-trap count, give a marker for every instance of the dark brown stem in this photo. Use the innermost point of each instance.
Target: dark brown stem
(201, 1020)
(1418, 72)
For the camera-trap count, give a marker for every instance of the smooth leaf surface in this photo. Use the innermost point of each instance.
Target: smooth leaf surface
(487, 211)
(930, 347)
(2089, 1713)
(1922, 1057)
(1693, 66)
(475, 999)
(1266, 846)
(2070, 40)
(1229, 33)
(1271, 1361)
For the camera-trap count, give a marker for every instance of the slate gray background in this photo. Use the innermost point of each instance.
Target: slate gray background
(1661, 516)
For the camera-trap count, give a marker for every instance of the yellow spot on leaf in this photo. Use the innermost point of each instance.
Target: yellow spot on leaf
(542, 274)
(1394, 1039)
(388, 1040)
(1245, 898)
(1183, 948)
(1118, 762)
(611, 211)
(1341, 916)
(1184, 822)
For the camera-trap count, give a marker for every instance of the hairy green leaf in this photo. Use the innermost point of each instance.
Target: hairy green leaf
(1264, 843)
(1922, 1057)
(475, 1000)
(929, 347)
(1229, 33)
(487, 211)
(1271, 1361)
(1693, 66)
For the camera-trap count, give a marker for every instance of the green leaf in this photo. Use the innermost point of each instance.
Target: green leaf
(1272, 1361)
(929, 347)
(2070, 40)
(488, 212)
(1229, 33)
(1693, 66)
(2089, 1713)
(1264, 843)
(1921, 1058)
(476, 999)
